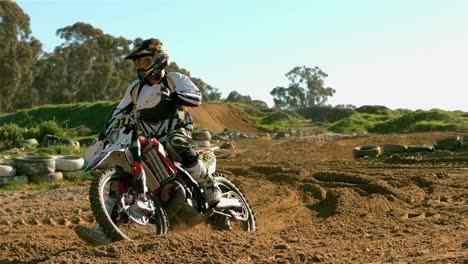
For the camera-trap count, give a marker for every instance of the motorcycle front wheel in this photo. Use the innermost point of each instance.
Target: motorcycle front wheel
(110, 217)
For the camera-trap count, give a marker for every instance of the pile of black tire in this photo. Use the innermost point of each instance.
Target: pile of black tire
(451, 143)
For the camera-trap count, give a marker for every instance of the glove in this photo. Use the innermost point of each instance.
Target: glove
(166, 94)
(93, 150)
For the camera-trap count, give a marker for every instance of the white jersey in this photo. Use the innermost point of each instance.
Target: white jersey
(158, 115)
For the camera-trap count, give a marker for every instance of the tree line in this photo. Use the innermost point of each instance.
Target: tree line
(88, 66)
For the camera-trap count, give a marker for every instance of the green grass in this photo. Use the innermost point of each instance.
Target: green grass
(34, 151)
(269, 120)
(71, 180)
(84, 119)
(402, 122)
(78, 177)
(31, 186)
(58, 150)
(90, 115)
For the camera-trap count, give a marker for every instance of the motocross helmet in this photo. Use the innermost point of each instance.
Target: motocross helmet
(150, 57)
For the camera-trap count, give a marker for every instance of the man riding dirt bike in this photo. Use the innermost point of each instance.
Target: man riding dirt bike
(156, 105)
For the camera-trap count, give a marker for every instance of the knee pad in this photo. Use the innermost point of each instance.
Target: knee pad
(189, 157)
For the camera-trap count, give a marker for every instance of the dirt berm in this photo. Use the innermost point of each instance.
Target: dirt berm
(217, 117)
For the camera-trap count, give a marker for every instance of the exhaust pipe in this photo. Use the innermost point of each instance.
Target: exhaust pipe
(174, 194)
(177, 207)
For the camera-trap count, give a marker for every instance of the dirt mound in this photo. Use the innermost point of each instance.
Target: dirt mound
(217, 117)
(313, 203)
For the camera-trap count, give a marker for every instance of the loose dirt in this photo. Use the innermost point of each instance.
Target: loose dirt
(312, 201)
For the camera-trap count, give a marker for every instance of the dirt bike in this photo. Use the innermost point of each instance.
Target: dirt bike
(175, 196)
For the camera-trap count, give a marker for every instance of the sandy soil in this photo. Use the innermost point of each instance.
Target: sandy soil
(312, 201)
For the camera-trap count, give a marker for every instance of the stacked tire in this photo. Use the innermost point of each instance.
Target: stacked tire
(68, 165)
(8, 175)
(39, 169)
(448, 143)
(201, 138)
(390, 149)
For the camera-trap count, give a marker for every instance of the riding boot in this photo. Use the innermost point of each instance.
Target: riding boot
(203, 175)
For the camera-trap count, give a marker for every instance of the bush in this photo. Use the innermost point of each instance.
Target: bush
(33, 132)
(432, 120)
(401, 121)
(425, 126)
(326, 113)
(11, 132)
(374, 109)
(49, 128)
(353, 124)
(259, 104)
(58, 150)
(275, 117)
(84, 131)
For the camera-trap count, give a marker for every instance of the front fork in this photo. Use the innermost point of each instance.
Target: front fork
(139, 176)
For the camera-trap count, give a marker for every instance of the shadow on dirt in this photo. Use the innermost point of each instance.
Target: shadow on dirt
(368, 185)
(328, 206)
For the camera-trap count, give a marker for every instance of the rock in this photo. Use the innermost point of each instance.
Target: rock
(7, 171)
(227, 145)
(30, 141)
(49, 140)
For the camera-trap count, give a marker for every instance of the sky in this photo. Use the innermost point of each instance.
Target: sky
(409, 54)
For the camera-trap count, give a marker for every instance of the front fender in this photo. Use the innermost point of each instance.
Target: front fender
(104, 156)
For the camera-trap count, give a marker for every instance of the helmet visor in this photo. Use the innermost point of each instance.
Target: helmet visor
(144, 63)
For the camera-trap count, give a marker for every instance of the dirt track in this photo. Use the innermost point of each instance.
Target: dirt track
(312, 201)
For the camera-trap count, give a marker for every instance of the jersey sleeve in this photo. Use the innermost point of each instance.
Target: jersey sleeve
(186, 92)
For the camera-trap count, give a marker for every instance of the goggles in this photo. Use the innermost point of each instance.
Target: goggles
(144, 63)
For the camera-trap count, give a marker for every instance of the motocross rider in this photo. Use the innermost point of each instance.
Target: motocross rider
(161, 98)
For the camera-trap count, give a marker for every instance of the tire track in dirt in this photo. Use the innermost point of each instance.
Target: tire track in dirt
(312, 204)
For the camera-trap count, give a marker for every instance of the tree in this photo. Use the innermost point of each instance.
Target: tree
(306, 89)
(212, 93)
(18, 53)
(236, 97)
(208, 92)
(87, 66)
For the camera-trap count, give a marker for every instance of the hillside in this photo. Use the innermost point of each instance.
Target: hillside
(93, 115)
(219, 116)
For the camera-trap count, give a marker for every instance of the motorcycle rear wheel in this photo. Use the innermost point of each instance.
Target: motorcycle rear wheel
(226, 185)
(114, 224)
